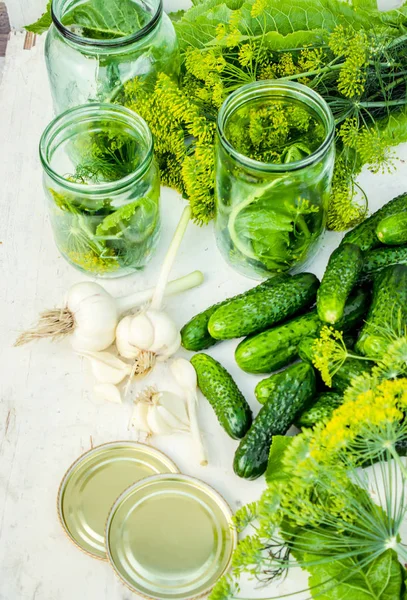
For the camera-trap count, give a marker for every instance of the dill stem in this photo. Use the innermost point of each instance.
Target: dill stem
(395, 455)
(311, 73)
(381, 104)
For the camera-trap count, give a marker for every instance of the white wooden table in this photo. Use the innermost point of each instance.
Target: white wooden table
(48, 415)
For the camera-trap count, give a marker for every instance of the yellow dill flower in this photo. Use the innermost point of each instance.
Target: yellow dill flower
(347, 206)
(329, 353)
(286, 66)
(267, 71)
(258, 8)
(220, 31)
(311, 59)
(246, 54)
(373, 148)
(349, 131)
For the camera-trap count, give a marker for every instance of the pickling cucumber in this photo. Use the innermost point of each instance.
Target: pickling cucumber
(278, 347)
(267, 387)
(388, 311)
(364, 235)
(340, 277)
(195, 335)
(228, 402)
(255, 312)
(377, 260)
(289, 399)
(393, 230)
(322, 408)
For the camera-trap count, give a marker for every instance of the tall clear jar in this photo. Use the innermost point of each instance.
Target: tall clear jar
(102, 188)
(273, 168)
(94, 49)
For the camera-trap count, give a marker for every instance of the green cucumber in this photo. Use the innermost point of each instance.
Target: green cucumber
(218, 386)
(322, 409)
(290, 398)
(388, 311)
(352, 367)
(251, 314)
(364, 235)
(340, 277)
(393, 230)
(377, 260)
(267, 387)
(195, 335)
(278, 347)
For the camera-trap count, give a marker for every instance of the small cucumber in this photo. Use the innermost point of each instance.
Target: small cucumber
(251, 314)
(388, 311)
(278, 347)
(322, 409)
(377, 260)
(352, 367)
(340, 277)
(195, 335)
(267, 387)
(393, 230)
(364, 235)
(218, 386)
(290, 398)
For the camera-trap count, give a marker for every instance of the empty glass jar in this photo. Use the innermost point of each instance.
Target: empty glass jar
(102, 188)
(94, 49)
(274, 161)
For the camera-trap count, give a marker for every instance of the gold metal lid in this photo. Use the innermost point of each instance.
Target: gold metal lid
(92, 484)
(170, 536)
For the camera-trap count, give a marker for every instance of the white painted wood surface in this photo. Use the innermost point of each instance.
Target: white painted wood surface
(48, 415)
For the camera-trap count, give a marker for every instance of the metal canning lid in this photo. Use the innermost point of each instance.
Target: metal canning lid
(170, 536)
(92, 484)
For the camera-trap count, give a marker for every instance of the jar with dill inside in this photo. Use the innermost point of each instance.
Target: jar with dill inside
(106, 50)
(102, 188)
(273, 170)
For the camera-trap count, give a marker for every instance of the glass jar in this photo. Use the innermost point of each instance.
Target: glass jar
(94, 49)
(102, 187)
(274, 159)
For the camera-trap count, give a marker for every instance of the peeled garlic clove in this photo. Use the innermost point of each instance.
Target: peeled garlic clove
(165, 331)
(106, 367)
(109, 392)
(174, 405)
(141, 331)
(156, 423)
(184, 373)
(139, 417)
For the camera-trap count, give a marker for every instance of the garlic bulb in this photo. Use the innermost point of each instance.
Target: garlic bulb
(185, 376)
(159, 413)
(152, 335)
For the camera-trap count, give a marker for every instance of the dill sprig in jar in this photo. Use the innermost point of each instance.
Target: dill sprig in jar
(95, 49)
(273, 169)
(102, 187)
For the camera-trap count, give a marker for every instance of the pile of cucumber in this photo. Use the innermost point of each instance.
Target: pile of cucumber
(364, 286)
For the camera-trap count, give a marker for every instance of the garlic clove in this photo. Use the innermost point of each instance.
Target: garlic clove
(184, 373)
(166, 331)
(141, 331)
(124, 347)
(175, 405)
(139, 417)
(171, 420)
(171, 350)
(157, 423)
(106, 367)
(109, 392)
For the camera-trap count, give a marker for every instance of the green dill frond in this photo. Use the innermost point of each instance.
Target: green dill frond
(329, 353)
(245, 516)
(225, 589)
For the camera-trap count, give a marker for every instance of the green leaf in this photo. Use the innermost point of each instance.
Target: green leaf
(275, 469)
(382, 579)
(176, 15)
(107, 19)
(43, 23)
(116, 221)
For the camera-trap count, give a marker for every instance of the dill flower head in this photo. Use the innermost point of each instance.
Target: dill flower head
(329, 353)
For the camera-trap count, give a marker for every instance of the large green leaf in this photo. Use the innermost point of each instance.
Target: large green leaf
(275, 468)
(382, 579)
(43, 23)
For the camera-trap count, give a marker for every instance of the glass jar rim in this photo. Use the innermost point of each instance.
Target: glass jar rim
(112, 43)
(94, 112)
(289, 90)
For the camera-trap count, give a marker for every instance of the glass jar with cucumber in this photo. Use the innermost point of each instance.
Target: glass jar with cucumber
(274, 162)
